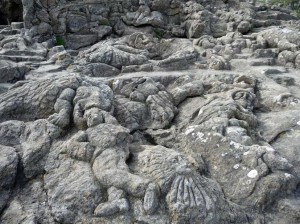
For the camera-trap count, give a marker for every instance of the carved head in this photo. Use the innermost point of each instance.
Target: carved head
(89, 101)
(162, 164)
(186, 198)
(244, 98)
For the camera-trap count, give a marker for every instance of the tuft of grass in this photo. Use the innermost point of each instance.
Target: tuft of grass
(103, 22)
(159, 33)
(60, 41)
(297, 13)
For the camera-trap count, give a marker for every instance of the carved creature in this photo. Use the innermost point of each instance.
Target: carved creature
(185, 195)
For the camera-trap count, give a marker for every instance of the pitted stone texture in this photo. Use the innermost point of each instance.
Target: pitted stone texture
(114, 55)
(30, 205)
(189, 196)
(10, 132)
(72, 189)
(8, 171)
(10, 71)
(36, 143)
(8, 168)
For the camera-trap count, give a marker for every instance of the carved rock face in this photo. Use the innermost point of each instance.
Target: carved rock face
(89, 102)
(244, 98)
(186, 198)
(91, 97)
(162, 164)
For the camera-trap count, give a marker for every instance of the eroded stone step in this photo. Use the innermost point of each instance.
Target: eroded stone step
(32, 75)
(48, 68)
(261, 61)
(23, 53)
(242, 56)
(242, 63)
(249, 37)
(266, 53)
(17, 25)
(16, 58)
(8, 32)
(4, 26)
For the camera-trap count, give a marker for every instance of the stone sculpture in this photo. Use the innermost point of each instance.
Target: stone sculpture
(186, 198)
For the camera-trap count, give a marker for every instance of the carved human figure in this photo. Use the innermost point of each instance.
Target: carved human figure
(106, 147)
(183, 188)
(142, 12)
(92, 106)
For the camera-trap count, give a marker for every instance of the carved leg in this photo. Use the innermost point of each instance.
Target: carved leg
(116, 203)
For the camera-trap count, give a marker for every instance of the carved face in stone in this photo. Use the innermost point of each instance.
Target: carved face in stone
(90, 97)
(171, 171)
(245, 99)
(142, 41)
(89, 104)
(163, 165)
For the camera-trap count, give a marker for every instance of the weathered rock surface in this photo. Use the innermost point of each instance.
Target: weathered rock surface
(149, 112)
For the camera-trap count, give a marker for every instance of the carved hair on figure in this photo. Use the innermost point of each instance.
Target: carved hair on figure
(170, 170)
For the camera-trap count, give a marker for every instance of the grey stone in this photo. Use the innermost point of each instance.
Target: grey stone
(8, 167)
(17, 25)
(55, 50)
(75, 41)
(29, 206)
(188, 89)
(244, 27)
(115, 55)
(36, 145)
(98, 70)
(265, 53)
(149, 105)
(76, 23)
(137, 68)
(297, 61)
(10, 71)
(10, 132)
(33, 95)
(44, 28)
(72, 190)
(102, 31)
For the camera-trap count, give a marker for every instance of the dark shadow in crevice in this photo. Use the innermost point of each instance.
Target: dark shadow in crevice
(11, 11)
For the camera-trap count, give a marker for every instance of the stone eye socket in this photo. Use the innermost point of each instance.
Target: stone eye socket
(239, 95)
(174, 160)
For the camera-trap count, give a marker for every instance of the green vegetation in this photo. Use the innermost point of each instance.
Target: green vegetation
(159, 33)
(60, 41)
(104, 22)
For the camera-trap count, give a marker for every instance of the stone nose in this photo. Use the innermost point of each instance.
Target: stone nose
(184, 168)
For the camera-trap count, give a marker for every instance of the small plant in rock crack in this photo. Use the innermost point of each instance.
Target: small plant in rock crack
(159, 33)
(60, 41)
(103, 22)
